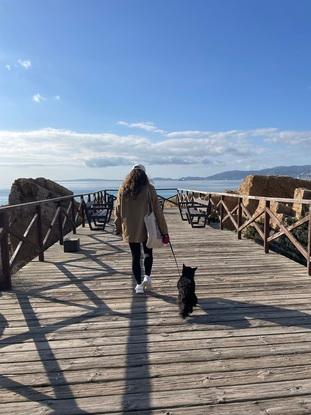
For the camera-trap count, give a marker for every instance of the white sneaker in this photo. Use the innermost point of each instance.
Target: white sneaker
(139, 289)
(147, 282)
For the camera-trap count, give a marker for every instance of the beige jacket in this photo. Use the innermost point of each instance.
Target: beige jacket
(129, 215)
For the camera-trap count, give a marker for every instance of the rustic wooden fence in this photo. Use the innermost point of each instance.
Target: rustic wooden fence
(171, 199)
(69, 211)
(233, 208)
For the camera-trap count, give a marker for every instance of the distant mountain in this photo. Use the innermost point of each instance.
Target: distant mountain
(163, 178)
(87, 180)
(299, 172)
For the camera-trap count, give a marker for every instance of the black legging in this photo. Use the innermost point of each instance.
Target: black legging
(148, 260)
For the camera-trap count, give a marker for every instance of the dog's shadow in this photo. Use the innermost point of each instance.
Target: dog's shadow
(238, 314)
(3, 324)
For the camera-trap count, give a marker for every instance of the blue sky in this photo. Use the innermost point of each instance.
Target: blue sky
(187, 87)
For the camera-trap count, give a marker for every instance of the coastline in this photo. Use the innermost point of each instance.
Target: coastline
(89, 185)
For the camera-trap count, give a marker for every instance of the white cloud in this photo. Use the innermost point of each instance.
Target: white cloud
(26, 64)
(184, 148)
(289, 137)
(144, 125)
(57, 97)
(8, 67)
(38, 98)
(192, 134)
(108, 161)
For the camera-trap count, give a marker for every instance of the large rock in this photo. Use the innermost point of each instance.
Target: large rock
(300, 209)
(29, 190)
(271, 186)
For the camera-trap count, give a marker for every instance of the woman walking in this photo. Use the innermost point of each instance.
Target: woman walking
(132, 205)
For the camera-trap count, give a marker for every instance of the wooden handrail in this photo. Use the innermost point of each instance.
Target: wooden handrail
(40, 202)
(5, 271)
(237, 195)
(240, 217)
(66, 216)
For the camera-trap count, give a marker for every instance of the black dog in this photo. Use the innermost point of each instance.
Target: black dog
(186, 291)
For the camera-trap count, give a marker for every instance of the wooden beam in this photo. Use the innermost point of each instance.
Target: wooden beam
(266, 227)
(293, 240)
(23, 239)
(309, 244)
(289, 228)
(5, 271)
(51, 225)
(252, 219)
(239, 217)
(40, 233)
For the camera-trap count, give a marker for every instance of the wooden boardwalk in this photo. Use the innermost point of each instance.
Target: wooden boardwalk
(75, 340)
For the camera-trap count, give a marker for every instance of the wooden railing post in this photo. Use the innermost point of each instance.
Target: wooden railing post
(73, 215)
(40, 233)
(266, 227)
(221, 212)
(5, 271)
(60, 224)
(309, 243)
(239, 217)
(82, 211)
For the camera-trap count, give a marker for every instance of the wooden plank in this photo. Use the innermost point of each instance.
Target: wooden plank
(74, 338)
(93, 386)
(183, 398)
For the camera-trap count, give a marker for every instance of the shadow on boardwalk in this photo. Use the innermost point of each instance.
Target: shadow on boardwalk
(236, 314)
(137, 376)
(136, 368)
(3, 323)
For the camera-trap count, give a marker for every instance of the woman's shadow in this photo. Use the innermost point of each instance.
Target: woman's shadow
(3, 323)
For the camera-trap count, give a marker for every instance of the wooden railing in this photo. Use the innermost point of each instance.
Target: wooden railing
(232, 208)
(171, 199)
(68, 213)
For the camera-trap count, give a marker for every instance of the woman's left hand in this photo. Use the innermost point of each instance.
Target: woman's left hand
(165, 239)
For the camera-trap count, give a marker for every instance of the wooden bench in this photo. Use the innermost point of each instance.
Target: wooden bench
(197, 215)
(182, 206)
(110, 204)
(98, 214)
(161, 202)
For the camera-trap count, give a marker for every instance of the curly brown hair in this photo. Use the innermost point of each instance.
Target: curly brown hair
(134, 183)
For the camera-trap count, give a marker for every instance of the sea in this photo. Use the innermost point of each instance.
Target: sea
(162, 186)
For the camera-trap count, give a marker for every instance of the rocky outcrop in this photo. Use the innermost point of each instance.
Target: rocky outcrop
(300, 209)
(287, 213)
(272, 186)
(29, 190)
